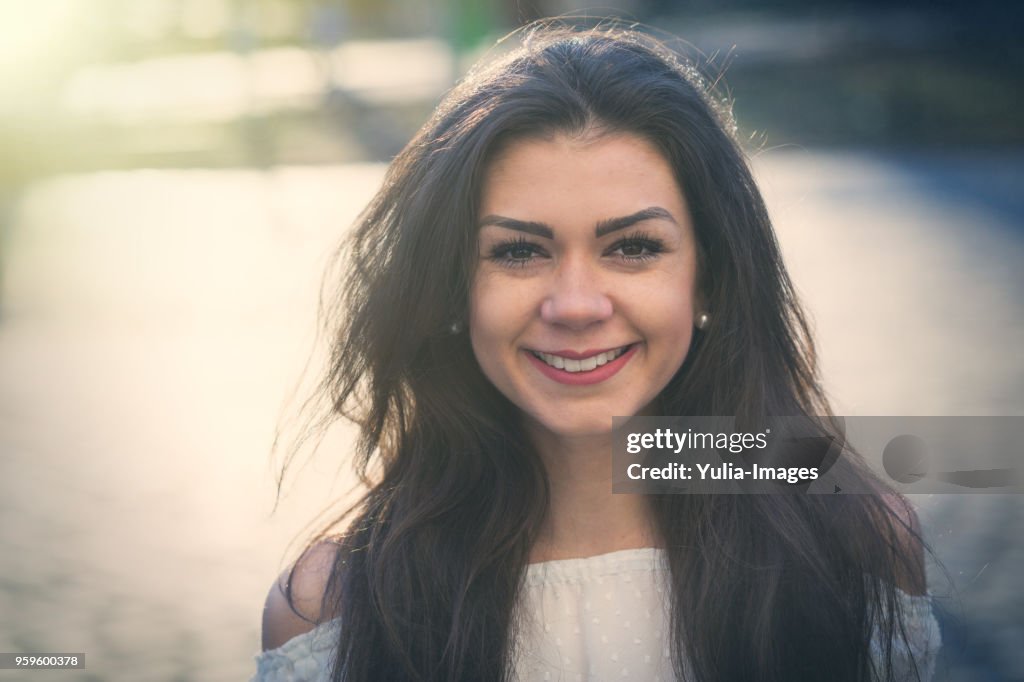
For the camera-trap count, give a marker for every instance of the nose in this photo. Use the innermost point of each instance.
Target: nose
(576, 298)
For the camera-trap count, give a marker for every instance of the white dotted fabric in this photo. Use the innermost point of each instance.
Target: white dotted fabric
(306, 658)
(597, 619)
(600, 618)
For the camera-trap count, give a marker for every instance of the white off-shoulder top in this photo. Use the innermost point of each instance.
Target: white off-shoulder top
(599, 618)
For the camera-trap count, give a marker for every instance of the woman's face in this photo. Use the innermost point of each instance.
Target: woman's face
(583, 301)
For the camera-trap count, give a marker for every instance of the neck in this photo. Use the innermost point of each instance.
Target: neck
(584, 517)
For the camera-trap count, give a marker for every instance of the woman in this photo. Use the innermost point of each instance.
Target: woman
(574, 235)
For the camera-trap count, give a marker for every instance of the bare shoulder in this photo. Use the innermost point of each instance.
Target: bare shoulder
(907, 543)
(307, 580)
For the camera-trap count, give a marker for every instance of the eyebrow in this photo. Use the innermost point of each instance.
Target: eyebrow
(603, 227)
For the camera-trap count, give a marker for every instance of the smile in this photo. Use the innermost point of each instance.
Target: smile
(585, 364)
(584, 369)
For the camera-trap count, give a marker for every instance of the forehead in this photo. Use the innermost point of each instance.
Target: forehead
(616, 172)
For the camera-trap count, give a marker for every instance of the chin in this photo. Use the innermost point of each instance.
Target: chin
(585, 426)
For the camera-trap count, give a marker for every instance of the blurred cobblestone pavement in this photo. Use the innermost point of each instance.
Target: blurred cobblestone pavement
(153, 322)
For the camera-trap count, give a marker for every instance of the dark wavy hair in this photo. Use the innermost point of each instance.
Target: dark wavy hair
(429, 569)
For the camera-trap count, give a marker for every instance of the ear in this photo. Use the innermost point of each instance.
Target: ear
(701, 313)
(701, 302)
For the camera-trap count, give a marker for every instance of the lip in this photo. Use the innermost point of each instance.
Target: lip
(594, 376)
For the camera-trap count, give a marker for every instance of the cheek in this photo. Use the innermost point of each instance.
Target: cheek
(666, 305)
(665, 314)
(482, 304)
(501, 308)
(491, 323)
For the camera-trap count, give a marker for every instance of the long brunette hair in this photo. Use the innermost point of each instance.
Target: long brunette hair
(427, 575)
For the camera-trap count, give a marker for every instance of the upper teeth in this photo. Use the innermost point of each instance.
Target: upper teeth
(581, 365)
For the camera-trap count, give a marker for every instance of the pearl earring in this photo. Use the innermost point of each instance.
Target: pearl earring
(701, 321)
(455, 327)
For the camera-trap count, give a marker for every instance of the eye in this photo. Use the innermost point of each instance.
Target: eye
(638, 247)
(515, 253)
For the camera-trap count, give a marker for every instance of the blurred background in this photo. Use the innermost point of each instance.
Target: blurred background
(175, 173)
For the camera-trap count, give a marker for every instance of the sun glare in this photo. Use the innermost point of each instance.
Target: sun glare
(36, 37)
